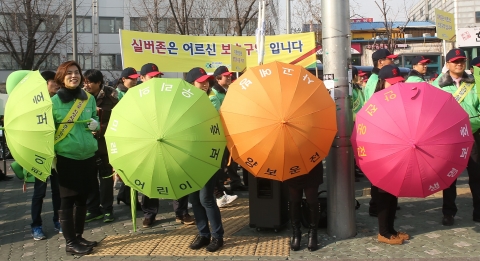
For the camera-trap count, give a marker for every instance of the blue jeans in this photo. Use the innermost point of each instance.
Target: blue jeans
(205, 209)
(39, 192)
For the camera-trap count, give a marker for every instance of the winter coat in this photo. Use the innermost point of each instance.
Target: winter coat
(415, 76)
(358, 99)
(79, 144)
(214, 100)
(121, 90)
(220, 92)
(371, 84)
(106, 99)
(470, 103)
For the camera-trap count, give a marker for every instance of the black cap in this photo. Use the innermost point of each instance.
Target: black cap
(455, 54)
(222, 70)
(475, 61)
(130, 72)
(197, 74)
(391, 74)
(150, 69)
(382, 54)
(420, 59)
(354, 71)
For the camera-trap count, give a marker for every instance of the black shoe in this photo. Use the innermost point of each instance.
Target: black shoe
(447, 220)
(215, 245)
(239, 188)
(199, 242)
(82, 241)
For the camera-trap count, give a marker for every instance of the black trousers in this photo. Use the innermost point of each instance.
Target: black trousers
(450, 194)
(235, 180)
(387, 208)
(150, 206)
(373, 199)
(100, 199)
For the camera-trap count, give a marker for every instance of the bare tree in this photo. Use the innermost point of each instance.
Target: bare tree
(388, 35)
(30, 30)
(243, 15)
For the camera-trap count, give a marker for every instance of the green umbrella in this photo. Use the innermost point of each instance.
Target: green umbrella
(165, 138)
(29, 126)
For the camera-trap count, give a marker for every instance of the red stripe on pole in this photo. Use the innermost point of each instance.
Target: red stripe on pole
(305, 55)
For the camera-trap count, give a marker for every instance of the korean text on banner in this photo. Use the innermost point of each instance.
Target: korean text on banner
(445, 24)
(180, 53)
(238, 58)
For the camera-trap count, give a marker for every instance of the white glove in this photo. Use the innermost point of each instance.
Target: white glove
(93, 124)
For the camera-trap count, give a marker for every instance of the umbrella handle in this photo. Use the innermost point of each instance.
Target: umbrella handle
(416, 93)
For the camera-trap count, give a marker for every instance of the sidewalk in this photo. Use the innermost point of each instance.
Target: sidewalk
(168, 240)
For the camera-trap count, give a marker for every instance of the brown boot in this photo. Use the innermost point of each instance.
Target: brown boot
(403, 235)
(393, 240)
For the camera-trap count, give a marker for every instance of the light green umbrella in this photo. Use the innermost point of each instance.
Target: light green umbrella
(29, 126)
(165, 139)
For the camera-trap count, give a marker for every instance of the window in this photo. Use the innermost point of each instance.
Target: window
(50, 23)
(421, 12)
(196, 25)
(477, 17)
(85, 60)
(51, 62)
(250, 28)
(12, 22)
(219, 26)
(167, 25)
(110, 25)
(139, 24)
(110, 62)
(7, 62)
(84, 24)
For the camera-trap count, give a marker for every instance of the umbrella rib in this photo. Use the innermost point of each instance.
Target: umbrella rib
(310, 113)
(164, 149)
(293, 96)
(258, 104)
(439, 133)
(172, 124)
(293, 140)
(294, 128)
(384, 129)
(311, 94)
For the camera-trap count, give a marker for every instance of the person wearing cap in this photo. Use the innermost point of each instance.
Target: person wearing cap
(149, 71)
(462, 86)
(106, 98)
(386, 203)
(150, 205)
(127, 80)
(380, 58)
(204, 205)
(419, 69)
(358, 100)
(474, 62)
(223, 79)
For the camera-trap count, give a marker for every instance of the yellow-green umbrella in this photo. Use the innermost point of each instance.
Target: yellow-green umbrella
(29, 126)
(165, 138)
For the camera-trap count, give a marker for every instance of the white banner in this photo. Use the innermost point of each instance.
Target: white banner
(468, 37)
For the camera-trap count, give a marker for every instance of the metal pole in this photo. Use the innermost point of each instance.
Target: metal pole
(74, 30)
(288, 16)
(339, 164)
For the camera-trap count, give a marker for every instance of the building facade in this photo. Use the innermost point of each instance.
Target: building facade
(99, 23)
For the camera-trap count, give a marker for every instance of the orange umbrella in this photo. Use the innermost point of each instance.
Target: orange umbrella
(279, 120)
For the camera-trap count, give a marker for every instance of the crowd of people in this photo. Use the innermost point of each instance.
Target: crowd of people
(82, 182)
(454, 80)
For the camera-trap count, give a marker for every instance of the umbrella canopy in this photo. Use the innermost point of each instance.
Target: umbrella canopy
(165, 138)
(280, 121)
(29, 125)
(412, 139)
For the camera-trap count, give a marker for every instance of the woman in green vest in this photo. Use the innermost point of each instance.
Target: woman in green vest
(75, 116)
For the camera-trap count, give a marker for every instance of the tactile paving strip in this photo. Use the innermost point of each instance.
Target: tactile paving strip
(110, 245)
(273, 246)
(141, 245)
(176, 242)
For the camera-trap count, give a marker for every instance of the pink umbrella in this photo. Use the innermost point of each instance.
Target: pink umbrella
(412, 139)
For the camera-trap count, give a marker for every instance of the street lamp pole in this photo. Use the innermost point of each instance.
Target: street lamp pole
(336, 40)
(74, 30)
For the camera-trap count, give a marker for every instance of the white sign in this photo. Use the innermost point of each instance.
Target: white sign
(468, 37)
